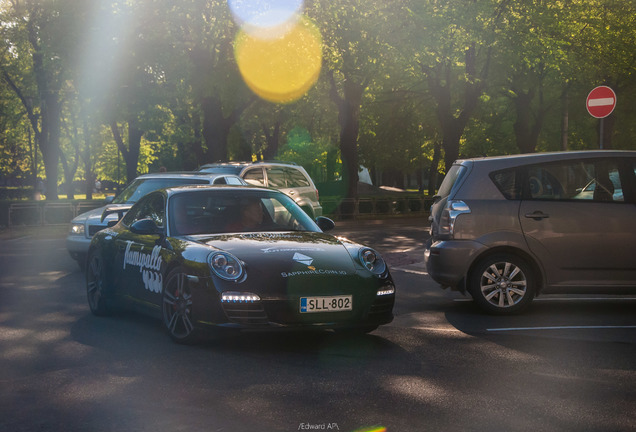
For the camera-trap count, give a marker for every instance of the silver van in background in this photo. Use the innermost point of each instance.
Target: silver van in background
(505, 229)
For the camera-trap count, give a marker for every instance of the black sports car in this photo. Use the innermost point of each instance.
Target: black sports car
(236, 257)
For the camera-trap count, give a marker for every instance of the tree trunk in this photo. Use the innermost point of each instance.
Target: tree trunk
(433, 172)
(134, 146)
(272, 140)
(529, 122)
(215, 130)
(50, 143)
(130, 155)
(86, 157)
(524, 132)
(565, 119)
(439, 81)
(349, 121)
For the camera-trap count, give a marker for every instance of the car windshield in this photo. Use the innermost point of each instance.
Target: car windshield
(233, 211)
(143, 186)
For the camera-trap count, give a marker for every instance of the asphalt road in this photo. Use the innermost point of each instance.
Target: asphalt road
(568, 364)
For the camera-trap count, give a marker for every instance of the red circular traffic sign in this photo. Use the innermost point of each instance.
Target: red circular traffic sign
(601, 102)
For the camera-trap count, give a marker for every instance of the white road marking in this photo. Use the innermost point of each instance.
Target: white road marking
(561, 328)
(558, 299)
(409, 271)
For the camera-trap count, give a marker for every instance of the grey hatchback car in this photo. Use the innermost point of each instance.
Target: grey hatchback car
(505, 229)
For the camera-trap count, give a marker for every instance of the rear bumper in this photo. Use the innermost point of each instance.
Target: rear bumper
(448, 261)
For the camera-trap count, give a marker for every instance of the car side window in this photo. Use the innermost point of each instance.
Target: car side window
(276, 178)
(219, 180)
(233, 181)
(295, 178)
(151, 207)
(254, 177)
(508, 183)
(576, 180)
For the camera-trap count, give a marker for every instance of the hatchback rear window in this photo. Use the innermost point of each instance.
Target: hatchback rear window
(454, 175)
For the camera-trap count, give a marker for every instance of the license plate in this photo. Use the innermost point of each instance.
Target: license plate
(325, 304)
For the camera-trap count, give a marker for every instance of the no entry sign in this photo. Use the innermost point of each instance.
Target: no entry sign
(601, 102)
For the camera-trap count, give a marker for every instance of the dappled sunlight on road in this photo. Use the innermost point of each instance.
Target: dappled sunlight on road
(419, 388)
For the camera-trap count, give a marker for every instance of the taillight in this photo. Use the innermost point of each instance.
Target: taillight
(449, 215)
(317, 195)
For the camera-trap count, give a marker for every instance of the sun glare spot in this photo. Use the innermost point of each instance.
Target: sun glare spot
(257, 16)
(281, 70)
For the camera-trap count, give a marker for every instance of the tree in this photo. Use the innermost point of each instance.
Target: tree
(453, 54)
(37, 39)
(355, 49)
(205, 31)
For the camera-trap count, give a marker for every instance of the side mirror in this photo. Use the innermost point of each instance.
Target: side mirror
(109, 199)
(325, 224)
(145, 227)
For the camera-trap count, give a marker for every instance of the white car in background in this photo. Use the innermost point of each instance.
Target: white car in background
(288, 177)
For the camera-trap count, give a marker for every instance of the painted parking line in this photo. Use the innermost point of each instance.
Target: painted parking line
(563, 299)
(584, 299)
(561, 328)
(417, 272)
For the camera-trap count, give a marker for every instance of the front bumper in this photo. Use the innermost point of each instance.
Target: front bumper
(282, 312)
(77, 245)
(448, 261)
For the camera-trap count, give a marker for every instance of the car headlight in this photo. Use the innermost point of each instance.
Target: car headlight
(226, 266)
(372, 261)
(77, 229)
(239, 297)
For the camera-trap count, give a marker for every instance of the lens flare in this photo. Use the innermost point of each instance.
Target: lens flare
(284, 68)
(266, 18)
(372, 429)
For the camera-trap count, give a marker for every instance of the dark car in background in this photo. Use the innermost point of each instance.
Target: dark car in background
(86, 225)
(506, 229)
(242, 258)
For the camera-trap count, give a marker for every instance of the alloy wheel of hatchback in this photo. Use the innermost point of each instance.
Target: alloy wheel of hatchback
(502, 284)
(177, 307)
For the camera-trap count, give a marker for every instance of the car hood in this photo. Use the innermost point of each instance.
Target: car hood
(94, 217)
(290, 253)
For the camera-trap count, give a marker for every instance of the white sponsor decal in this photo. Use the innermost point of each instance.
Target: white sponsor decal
(149, 266)
(272, 235)
(293, 249)
(313, 272)
(303, 259)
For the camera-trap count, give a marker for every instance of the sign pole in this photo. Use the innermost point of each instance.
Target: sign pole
(600, 103)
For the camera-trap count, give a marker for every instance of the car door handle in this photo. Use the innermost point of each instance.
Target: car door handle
(538, 215)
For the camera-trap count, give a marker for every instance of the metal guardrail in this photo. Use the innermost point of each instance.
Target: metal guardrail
(57, 213)
(49, 213)
(349, 208)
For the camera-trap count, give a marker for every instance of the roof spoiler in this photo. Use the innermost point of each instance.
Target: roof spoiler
(120, 209)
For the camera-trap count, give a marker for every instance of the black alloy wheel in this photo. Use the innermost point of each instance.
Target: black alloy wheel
(96, 286)
(177, 307)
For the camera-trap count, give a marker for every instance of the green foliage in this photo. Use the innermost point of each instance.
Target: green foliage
(312, 154)
(410, 66)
